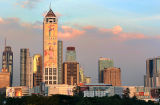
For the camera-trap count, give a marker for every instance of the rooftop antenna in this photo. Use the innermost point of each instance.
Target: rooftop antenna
(50, 4)
(5, 42)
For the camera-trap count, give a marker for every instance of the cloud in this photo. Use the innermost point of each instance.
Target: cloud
(27, 3)
(115, 30)
(69, 32)
(128, 50)
(1, 20)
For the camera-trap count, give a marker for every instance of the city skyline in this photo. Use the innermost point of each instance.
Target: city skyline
(128, 48)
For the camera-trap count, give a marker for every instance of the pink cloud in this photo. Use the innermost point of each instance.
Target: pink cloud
(89, 27)
(69, 32)
(128, 36)
(1, 20)
(115, 30)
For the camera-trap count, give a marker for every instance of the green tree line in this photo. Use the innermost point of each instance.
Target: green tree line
(72, 100)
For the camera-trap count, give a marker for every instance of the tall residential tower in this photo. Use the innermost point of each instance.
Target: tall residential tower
(50, 29)
(7, 62)
(60, 62)
(26, 68)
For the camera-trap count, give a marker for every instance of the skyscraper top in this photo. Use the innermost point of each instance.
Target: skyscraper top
(50, 14)
(71, 48)
(101, 58)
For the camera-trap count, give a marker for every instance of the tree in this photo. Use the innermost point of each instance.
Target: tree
(126, 93)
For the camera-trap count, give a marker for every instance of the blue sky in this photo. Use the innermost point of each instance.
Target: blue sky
(126, 31)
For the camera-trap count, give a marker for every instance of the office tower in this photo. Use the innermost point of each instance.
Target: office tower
(71, 73)
(4, 78)
(37, 70)
(87, 80)
(102, 64)
(70, 54)
(7, 61)
(29, 79)
(112, 76)
(152, 77)
(50, 29)
(60, 62)
(26, 68)
(81, 75)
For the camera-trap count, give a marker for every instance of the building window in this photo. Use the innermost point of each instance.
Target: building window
(46, 77)
(50, 82)
(54, 82)
(54, 71)
(46, 71)
(50, 77)
(46, 82)
(50, 71)
(54, 77)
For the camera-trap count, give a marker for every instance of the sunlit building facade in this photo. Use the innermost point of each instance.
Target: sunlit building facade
(37, 70)
(112, 76)
(71, 73)
(102, 64)
(50, 29)
(4, 78)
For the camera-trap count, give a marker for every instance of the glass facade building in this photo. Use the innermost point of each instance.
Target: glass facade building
(7, 62)
(25, 67)
(152, 77)
(60, 62)
(71, 54)
(103, 63)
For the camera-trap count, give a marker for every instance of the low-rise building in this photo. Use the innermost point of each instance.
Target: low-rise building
(18, 91)
(100, 90)
(140, 92)
(62, 89)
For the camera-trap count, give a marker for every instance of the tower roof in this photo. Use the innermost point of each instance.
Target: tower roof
(50, 14)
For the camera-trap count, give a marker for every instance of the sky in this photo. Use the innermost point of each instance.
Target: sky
(127, 31)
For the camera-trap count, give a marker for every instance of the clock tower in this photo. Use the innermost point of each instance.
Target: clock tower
(50, 27)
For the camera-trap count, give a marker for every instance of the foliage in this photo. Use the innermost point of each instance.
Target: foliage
(73, 100)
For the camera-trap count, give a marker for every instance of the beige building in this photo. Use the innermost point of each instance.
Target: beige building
(81, 75)
(4, 78)
(50, 29)
(18, 91)
(87, 80)
(112, 76)
(62, 89)
(71, 73)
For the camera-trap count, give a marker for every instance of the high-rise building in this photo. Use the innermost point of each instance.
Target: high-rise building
(26, 68)
(112, 76)
(50, 29)
(4, 78)
(71, 73)
(87, 80)
(37, 70)
(102, 64)
(152, 77)
(7, 62)
(70, 54)
(60, 62)
(81, 75)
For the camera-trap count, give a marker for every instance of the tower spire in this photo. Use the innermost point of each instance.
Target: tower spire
(50, 4)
